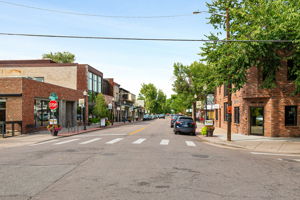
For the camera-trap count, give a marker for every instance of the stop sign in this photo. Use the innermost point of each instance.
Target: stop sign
(53, 105)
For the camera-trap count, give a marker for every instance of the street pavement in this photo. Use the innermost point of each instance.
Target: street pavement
(143, 161)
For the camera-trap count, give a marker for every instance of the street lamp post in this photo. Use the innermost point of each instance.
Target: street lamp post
(229, 86)
(85, 94)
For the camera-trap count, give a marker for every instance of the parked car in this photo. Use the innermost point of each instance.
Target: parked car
(161, 116)
(146, 117)
(185, 124)
(173, 119)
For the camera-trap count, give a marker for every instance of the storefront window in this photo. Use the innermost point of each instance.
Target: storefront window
(225, 112)
(90, 81)
(237, 115)
(291, 115)
(99, 84)
(95, 83)
(42, 113)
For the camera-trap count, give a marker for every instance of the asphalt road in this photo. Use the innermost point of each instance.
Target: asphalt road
(140, 162)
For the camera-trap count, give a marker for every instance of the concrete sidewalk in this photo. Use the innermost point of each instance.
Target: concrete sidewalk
(254, 143)
(27, 139)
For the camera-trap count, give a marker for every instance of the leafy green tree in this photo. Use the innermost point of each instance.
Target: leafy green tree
(100, 109)
(155, 100)
(193, 82)
(60, 57)
(254, 20)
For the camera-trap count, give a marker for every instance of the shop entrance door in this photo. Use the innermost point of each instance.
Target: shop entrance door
(257, 121)
(2, 116)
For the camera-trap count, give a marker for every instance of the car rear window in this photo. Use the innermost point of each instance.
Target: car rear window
(186, 119)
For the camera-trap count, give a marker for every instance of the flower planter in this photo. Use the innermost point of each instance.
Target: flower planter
(54, 129)
(210, 131)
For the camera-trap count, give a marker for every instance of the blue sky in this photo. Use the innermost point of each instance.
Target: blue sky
(130, 63)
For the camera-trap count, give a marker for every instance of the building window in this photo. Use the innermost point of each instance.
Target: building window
(99, 84)
(95, 83)
(217, 116)
(291, 76)
(225, 112)
(291, 115)
(225, 90)
(40, 79)
(90, 81)
(237, 115)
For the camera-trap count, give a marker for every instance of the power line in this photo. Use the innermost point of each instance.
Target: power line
(90, 15)
(141, 39)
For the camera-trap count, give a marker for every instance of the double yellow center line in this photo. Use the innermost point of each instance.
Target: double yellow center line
(136, 131)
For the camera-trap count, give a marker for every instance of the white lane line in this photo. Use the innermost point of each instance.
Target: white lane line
(64, 142)
(274, 154)
(298, 160)
(90, 141)
(139, 141)
(164, 142)
(114, 141)
(190, 143)
(49, 141)
(93, 135)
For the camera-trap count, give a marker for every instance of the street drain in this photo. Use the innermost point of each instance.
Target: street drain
(200, 156)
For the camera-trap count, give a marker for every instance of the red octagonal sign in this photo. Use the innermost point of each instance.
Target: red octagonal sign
(53, 105)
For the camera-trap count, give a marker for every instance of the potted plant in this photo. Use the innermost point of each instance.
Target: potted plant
(210, 130)
(54, 128)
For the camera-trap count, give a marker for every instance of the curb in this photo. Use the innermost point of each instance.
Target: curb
(221, 143)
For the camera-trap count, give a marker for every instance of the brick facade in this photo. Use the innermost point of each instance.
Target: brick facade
(21, 107)
(273, 102)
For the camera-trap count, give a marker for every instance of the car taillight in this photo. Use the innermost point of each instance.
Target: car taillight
(193, 123)
(178, 122)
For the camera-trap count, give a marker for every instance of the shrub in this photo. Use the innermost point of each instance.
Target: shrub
(94, 120)
(204, 130)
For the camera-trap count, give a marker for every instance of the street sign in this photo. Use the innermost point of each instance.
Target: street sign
(53, 96)
(53, 105)
(229, 109)
(209, 122)
(110, 106)
(81, 103)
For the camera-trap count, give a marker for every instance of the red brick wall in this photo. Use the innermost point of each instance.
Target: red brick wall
(273, 101)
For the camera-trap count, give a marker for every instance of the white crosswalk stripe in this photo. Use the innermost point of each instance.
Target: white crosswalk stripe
(64, 142)
(114, 141)
(164, 142)
(139, 141)
(46, 142)
(90, 141)
(190, 143)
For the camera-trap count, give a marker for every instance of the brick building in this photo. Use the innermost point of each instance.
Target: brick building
(267, 112)
(73, 76)
(24, 102)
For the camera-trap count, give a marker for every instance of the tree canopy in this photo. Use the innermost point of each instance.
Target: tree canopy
(254, 20)
(155, 99)
(60, 57)
(100, 109)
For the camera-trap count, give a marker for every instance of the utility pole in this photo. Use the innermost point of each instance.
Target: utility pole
(229, 86)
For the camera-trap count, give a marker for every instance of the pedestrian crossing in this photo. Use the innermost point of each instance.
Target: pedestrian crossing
(83, 141)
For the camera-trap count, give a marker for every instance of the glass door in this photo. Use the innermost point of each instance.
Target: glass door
(2, 116)
(256, 120)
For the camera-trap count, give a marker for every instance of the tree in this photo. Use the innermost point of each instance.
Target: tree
(193, 82)
(100, 109)
(155, 100)
(60, 57)
(254, 20)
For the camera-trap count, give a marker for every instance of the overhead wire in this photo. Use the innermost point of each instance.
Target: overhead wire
(137, 38)
(91, 15)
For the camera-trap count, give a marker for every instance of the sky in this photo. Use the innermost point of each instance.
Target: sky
(130, 63)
